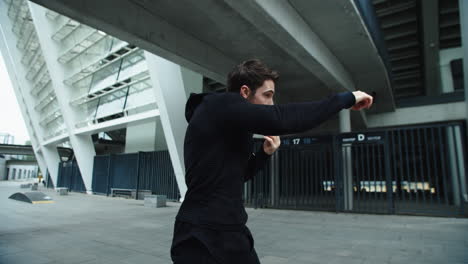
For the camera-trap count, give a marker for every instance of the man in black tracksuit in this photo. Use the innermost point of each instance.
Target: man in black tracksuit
(210, 226)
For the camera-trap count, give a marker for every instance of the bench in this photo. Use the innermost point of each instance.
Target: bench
(129, 193)
(23, 186)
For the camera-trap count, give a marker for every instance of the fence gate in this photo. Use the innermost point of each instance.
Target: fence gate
(428, 167)
(300, 175)
(305, 174)
(363, 173)
(409, 170)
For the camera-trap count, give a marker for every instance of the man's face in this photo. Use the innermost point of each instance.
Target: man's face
(263, 95)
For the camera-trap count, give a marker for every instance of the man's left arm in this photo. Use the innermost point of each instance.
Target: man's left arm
(257, 160)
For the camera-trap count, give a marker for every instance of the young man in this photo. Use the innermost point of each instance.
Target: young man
(210, 226)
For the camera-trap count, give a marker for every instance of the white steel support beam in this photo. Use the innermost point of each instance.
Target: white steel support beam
(47, 158)
(279, 21)
(171, 83)
(82, 145)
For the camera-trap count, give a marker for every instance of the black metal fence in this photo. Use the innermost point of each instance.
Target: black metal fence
(151, 171)
(69, 176)
(257, 191)
(410, 170)
(428, 164)
(305, 174)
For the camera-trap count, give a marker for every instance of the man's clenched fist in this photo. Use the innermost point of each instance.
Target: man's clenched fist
(363, 100)
(271, 144)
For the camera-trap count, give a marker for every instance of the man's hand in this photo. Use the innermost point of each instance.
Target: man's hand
(363, 100)
(271, 144)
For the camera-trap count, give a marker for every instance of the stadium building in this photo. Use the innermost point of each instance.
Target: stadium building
(110, 79)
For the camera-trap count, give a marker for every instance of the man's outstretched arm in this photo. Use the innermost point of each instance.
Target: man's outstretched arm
(238, 113)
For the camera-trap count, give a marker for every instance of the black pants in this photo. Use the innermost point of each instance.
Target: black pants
(196, 245)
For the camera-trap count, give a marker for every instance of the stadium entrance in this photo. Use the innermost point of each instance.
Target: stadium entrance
(410, 170)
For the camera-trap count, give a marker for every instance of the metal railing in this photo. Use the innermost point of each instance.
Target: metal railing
(44, 101)
(65, 30)
(44, 80)
(111, 90)
(82, 46)
(117, 52)
(50, 117)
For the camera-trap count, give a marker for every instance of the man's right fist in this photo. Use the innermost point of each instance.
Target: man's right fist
(363, 100)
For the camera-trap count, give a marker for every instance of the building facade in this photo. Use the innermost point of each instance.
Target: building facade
(79, 87)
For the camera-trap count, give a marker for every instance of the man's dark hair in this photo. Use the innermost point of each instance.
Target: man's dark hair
(251, 73)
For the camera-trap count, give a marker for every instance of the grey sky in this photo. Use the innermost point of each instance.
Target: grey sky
(11, 120)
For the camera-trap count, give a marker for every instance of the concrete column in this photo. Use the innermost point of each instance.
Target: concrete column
(430, 26)
(2, 169)
(26, 102)
(160, 140)
(42, 164)
(82, 145)
(454, 167)
(171, 83)
(193, 82)
(461, 163)
(140, 137)
(457, 164)
(345, 121)
(463, 7)
(345, 127)
(48, 160)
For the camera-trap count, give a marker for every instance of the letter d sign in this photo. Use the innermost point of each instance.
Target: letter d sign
(361, 137)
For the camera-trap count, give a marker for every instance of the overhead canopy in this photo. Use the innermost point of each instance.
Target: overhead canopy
(319, 47)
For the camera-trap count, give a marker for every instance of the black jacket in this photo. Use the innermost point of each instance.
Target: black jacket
(218, 145)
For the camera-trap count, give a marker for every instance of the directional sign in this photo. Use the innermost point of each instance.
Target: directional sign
(368, 137)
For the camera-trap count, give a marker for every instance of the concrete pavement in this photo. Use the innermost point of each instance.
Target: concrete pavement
(81, 228)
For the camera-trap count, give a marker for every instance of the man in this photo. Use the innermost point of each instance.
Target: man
(210, 226)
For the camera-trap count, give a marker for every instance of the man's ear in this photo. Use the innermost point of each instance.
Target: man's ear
(245, 91)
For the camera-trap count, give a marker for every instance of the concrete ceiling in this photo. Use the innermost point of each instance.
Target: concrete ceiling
(319, 47)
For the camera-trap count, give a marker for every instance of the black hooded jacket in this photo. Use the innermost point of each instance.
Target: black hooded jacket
(218, 145)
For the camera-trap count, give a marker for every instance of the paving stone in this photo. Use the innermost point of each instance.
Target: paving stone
(23, 258)
(273, 260)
